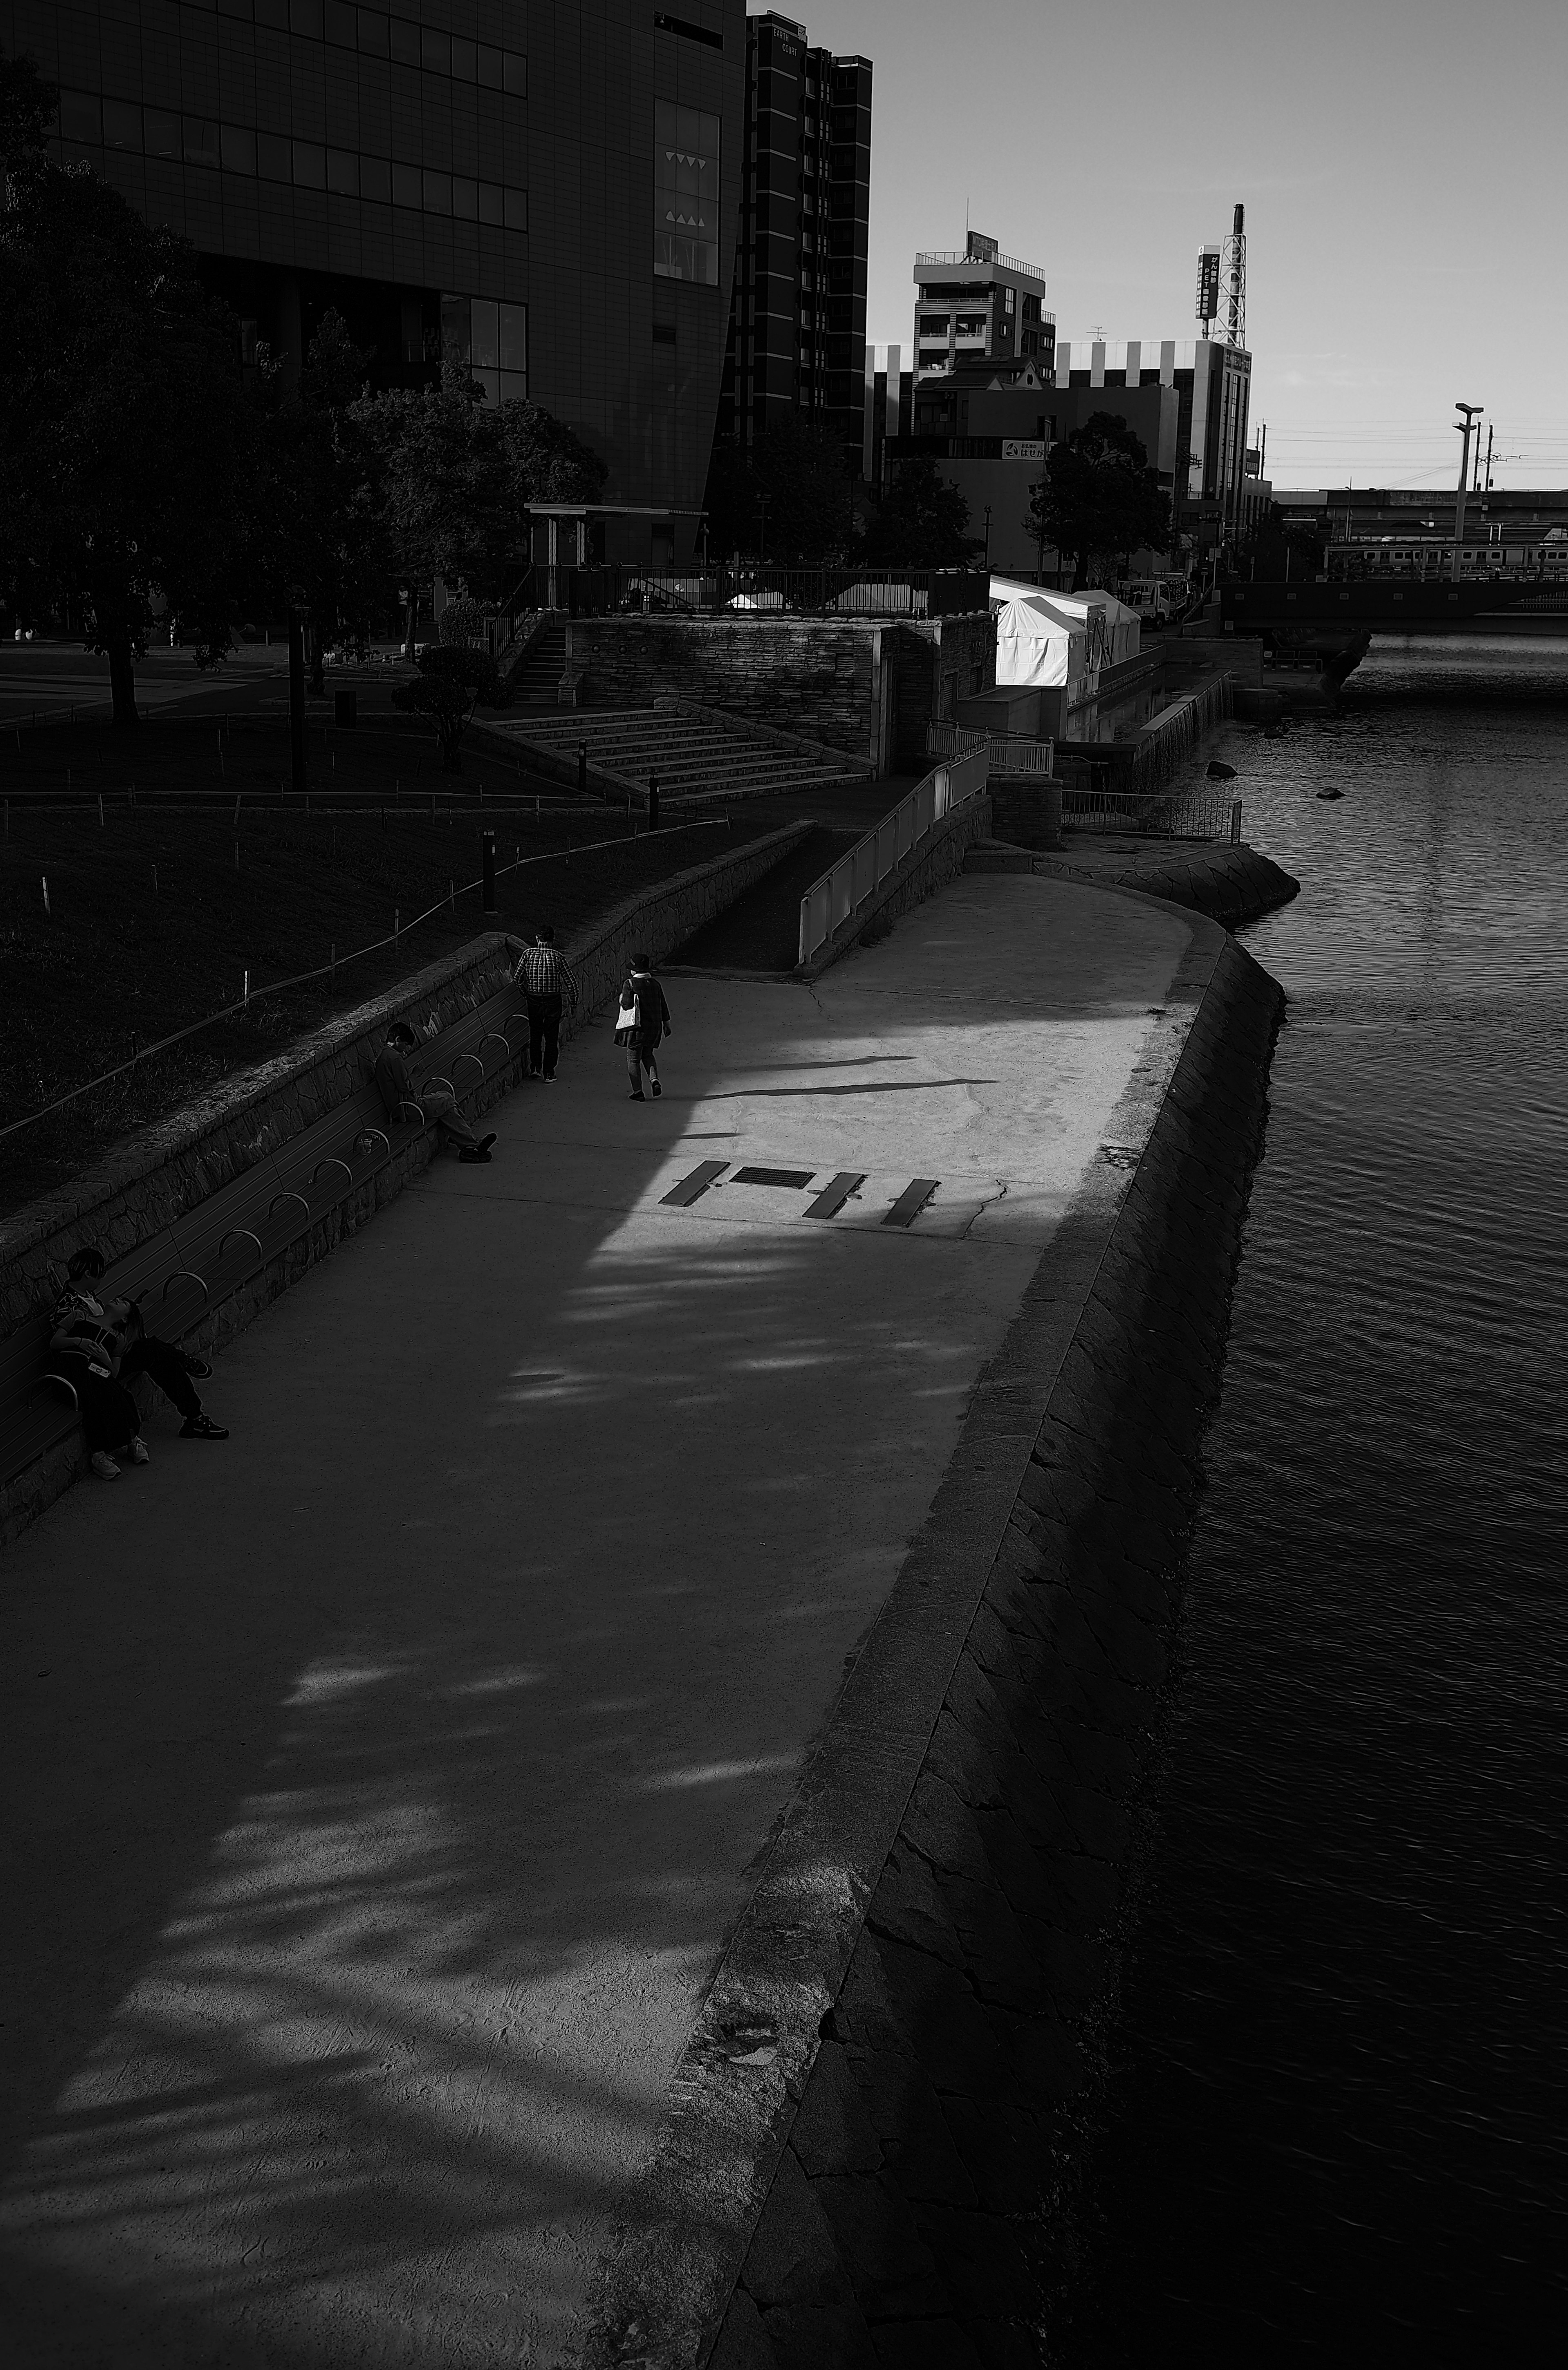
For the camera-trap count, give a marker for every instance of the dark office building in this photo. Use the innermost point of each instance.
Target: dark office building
(550, 189)
(797, 308)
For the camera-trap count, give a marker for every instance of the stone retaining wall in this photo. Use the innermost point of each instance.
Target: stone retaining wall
(874, 2147)
(169, 1168)
(1230, 883)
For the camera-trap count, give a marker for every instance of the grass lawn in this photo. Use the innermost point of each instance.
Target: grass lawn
(157, 912)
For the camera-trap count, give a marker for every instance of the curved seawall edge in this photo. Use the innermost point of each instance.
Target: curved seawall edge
(876, 2120)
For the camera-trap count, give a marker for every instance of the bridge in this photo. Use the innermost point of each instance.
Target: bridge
(1328, 616)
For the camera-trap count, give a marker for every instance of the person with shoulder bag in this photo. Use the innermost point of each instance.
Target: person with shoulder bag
(642, 1021)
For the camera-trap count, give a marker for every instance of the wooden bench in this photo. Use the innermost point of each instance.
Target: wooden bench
(200, 1260)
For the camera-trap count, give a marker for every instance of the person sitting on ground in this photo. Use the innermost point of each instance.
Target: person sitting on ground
(547, 979)
(97, 1345)
(438, 1106)
(642, 992)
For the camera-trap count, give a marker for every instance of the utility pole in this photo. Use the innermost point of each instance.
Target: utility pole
(1471, 411)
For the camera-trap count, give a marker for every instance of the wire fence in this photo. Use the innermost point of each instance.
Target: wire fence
(329, 970)
(1186, 814)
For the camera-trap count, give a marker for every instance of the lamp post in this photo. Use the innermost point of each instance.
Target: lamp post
(1470, 410)
(987, 538)
(762, 501)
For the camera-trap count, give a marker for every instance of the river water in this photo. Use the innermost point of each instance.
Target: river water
(1338, 2100)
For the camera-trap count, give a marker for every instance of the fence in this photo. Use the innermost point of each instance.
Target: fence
(614, 589)
(1184, 814)
(844, 890)
(1011, 753)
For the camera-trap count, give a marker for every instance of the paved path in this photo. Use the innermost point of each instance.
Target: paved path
(380, 1787)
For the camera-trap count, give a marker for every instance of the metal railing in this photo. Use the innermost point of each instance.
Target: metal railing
(614, 589)
(1011, 753)
(1193, 814)
(944, 258)
(844, 889)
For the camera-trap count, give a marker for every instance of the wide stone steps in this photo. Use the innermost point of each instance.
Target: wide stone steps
(690, 756)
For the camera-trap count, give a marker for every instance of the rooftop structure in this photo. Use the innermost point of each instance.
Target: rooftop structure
(975, 305)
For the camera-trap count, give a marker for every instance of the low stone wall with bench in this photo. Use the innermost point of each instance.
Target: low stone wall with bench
(164, 1172)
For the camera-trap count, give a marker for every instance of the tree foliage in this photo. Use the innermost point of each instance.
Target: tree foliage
(924, 522)
(454, 679)
(787, 499)
(320, 535)
(1275, 545)
(126, 443)
(1100, 499)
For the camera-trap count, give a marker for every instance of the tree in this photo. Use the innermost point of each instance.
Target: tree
(1275, 548)
(453, 680)
(1100, 496)
(456, 475)
(321, 533)
(924, 522)
(126, 442)
(788, 497)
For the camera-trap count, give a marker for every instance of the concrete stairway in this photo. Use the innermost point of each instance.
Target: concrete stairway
(692, 756)
(536, 679)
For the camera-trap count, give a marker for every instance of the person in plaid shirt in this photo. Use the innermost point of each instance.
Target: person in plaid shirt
(546, 977)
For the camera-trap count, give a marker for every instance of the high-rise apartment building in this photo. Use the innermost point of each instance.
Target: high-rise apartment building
(797, 340)
(977, 305)
(550, 188)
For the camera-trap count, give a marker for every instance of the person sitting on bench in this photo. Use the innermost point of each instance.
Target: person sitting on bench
(438, 1106)
(96, 1346)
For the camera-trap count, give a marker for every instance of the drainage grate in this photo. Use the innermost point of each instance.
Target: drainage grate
(911, 1201)
(796, 1177)
(836, 1192)
(691, 1188)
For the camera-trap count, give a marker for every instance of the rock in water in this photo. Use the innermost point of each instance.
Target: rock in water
(1330, 794)
(1219, 772)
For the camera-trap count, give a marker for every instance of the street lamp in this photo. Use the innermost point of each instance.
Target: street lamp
(987, 538)
(762, 501)
(1470, 410)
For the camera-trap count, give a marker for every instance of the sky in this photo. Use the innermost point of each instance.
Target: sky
(1404, 165)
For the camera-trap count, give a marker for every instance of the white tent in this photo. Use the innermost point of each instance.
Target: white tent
(1036, 648)
(1112, 631)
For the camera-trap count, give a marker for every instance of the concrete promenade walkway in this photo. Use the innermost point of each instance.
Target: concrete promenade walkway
(380, 1787)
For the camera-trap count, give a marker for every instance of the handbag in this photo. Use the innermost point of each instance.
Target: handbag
(629, 1020)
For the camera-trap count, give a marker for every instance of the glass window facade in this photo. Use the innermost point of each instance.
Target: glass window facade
(492, 338)
(686, 193)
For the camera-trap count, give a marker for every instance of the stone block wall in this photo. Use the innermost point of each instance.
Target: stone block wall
(875, 2150)
(937, 665)
(817, 677)
(866, 685)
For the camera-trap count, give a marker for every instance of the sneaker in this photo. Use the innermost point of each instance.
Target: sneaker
(657, 1089)
(104, 1465)
(637, 1096)
(197, 1369)
(139, 1453)
(549, 1078)
(202, 1427)
(474, 1156)
(485, 1142)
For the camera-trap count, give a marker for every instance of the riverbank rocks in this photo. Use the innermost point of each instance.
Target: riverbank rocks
(898, 2185)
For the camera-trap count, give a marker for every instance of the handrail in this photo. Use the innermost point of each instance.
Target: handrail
(250, 1236)
(365, 1134)
(190, 1276)
(332, 1161)
(1011, 753)
(288, 1195)
(943, 258)
(846, 886)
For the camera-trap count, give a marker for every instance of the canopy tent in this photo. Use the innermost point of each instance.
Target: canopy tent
(1036, 648)
(1112, 631)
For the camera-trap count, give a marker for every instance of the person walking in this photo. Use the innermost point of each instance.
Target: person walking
(642, 996)
(547, 979)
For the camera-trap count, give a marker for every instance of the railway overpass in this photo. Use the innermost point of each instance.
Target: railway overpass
(1327, 614)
